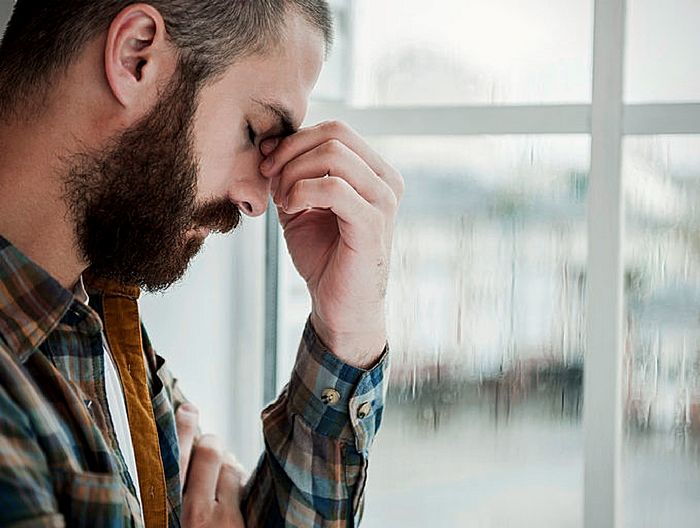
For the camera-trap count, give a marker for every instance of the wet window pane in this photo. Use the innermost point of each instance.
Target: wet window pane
(483, 426)
(662, 59)
(471, 51)
(662, 346)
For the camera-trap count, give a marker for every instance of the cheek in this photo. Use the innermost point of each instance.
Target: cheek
(216, 154)
(223, 169)
(217, 144)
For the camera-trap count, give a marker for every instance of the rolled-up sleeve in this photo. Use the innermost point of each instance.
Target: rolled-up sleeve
(318, 436)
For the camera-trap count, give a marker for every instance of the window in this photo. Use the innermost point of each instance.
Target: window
(510, 268)
(661, 387)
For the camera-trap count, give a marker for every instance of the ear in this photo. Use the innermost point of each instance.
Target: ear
(138, 57)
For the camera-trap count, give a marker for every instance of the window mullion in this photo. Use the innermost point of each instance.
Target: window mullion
(638, 119)
(602, 417)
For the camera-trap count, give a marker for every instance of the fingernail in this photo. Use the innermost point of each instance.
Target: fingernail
(267, 164)
(268, 146)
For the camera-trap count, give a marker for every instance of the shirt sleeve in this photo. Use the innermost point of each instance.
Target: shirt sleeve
(318, 435)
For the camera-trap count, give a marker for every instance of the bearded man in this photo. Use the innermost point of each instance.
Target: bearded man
(129, 132)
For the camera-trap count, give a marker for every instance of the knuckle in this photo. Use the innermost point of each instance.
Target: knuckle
(391, 201)
(399, 183)
(335, 184)
(288, 170)
(334, 128)
(187, 418)
(229, 465)
(231, 461)
(333, 147)
(234, 473)
(209, 455)
(209, 448)
(188, 407)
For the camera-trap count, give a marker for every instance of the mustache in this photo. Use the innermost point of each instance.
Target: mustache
(220, 216)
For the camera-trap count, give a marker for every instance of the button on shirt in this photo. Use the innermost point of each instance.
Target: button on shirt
(65, 463)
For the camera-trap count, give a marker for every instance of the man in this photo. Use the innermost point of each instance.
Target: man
(129, 132)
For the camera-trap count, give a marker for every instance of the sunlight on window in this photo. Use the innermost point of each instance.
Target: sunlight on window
(471, 52)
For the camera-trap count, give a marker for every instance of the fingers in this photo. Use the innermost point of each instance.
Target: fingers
(231, 480)
(309, 138)
(335, 158)
(207, 458)
(229, 490)
(186, 423)
(335, 194)
(214, 487)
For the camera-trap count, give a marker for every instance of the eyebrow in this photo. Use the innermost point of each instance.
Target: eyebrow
(282, 115)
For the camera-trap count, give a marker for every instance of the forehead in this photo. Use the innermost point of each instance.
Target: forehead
(281, 78)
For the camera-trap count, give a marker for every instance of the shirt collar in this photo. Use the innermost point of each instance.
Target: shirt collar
(32, 303)
(109, 287)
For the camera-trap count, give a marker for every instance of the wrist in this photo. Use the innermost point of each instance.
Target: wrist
(360, 348)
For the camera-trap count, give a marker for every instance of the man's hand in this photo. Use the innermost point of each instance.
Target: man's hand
(337, 200)
(212, 480)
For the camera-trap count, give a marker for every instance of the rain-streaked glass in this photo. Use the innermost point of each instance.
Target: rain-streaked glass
(662, 59)
(486, 320)
(407, 52)
(662, 345)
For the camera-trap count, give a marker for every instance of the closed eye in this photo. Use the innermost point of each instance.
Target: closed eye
(252, 135)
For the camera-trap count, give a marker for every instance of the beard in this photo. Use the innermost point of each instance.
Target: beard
(134, 202)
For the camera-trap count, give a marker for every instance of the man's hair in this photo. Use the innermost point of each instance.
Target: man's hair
(43, 37)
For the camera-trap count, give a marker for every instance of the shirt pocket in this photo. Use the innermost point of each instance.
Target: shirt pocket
(95, 499)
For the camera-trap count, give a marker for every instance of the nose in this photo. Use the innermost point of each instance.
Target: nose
(252, 194)
(252, 209)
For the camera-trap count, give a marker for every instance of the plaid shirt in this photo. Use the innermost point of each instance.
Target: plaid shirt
(60, 463)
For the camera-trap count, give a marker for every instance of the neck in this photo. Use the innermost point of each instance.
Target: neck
(33, 213)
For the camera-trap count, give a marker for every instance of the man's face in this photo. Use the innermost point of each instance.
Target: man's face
(144, 204)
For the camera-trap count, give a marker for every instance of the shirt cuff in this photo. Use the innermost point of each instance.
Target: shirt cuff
(337, 400)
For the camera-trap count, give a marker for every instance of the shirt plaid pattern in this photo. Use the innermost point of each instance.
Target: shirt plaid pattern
(60, 463)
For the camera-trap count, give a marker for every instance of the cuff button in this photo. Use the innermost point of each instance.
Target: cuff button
(330, 396)
(364, 410)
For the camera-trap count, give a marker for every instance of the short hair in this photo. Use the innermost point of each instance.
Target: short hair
(43, 37)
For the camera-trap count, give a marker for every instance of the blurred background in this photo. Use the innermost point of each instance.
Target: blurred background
(488, 294)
